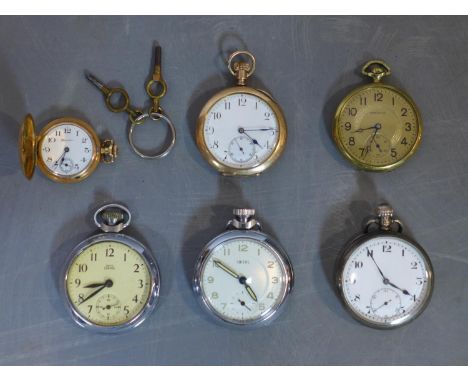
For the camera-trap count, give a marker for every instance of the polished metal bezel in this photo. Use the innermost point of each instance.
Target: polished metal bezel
(154, 290)
(283, 260)
(220, 166)
(346, 254)
(95, 158)
(342, 148)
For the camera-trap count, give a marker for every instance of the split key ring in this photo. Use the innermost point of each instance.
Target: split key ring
(156, 117)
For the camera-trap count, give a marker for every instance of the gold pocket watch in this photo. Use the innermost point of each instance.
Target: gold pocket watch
(67, 150)
(377, 127)
(241, 130)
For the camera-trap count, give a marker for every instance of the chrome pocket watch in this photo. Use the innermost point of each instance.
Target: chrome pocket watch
(384, 278)
(67, 150)
(111, 282)
(377, 127)
(242, 276)
(241, 130)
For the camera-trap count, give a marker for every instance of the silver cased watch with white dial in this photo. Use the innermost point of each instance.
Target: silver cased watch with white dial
(385, 231)
(243, 227)
(111, 233)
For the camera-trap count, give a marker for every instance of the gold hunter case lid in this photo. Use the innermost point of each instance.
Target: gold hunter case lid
(27, 146)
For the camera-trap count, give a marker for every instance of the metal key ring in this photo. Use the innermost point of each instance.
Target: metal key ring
(155, 117)
(117, 108)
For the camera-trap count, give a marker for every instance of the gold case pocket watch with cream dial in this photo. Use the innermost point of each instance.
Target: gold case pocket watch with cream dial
(384, 278)
(67, 150)
(241, 130)
(377, 126)
(242, 276)
(111, 281)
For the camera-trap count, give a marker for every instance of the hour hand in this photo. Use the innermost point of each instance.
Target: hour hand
(397, 287)
(251, 292)
(94, 285)
(107, 284)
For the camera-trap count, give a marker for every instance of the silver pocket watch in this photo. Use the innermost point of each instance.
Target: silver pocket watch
(242, 276)
(384, 278)
(111, 281)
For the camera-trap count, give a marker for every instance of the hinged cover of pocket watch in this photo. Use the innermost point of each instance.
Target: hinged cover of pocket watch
(27, 146)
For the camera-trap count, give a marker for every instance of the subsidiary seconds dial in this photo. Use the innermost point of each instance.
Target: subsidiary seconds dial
(241, 130)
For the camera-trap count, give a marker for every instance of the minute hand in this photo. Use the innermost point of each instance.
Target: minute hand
(261, 129)
(380, 271)
(226, 269)
(93, 294)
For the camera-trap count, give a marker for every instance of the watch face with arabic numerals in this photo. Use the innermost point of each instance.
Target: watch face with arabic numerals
(241, 131)
(243, 280)
(385, 280)
(377, 127)
(68, 148)
(110, 283)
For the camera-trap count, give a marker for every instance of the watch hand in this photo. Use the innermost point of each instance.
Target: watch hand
(248, 288)
(238, 144)
(94, 285)
(61, 157)
(360, 130)
(242, 279)
(384, 304)
(364, 153)
(226, 269)
(377, 126)
(107, 284)
(254, 141)
(393, 285)
(385, 280)
(242, 129)
(243, 304)
(251, 292)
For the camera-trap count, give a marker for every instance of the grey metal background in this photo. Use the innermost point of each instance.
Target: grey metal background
(312, 200)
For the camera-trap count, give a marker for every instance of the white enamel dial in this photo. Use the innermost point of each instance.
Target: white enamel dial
(241, 130)
(67, 149)
(386, 281)
(243, 280)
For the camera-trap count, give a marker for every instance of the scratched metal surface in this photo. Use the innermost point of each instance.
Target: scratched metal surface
(312, 200)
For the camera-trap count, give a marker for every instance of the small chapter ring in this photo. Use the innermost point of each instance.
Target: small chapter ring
(155, 117)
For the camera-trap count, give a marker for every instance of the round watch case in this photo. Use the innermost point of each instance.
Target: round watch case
(266, 240)
(349, 249)
(29, 143)
(147, 257)
(242, 70)
(220, 166)
(375, 85)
